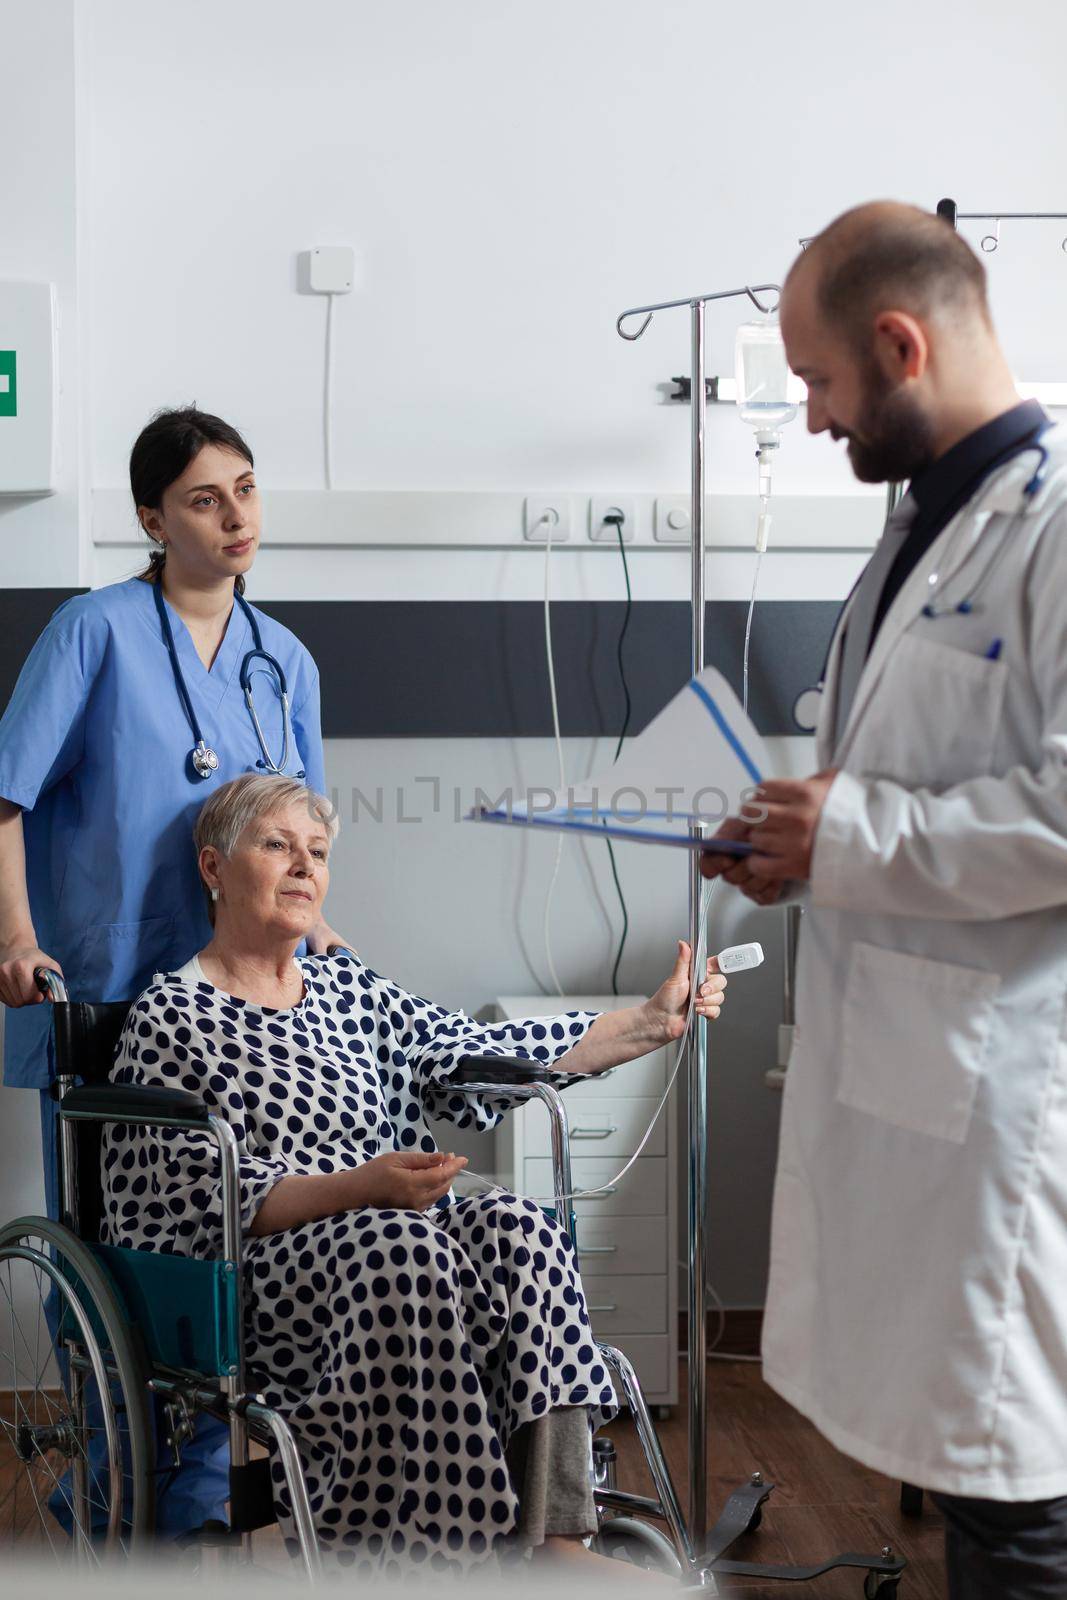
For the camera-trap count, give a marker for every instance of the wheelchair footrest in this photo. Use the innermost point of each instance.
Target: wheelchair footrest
(738, 1515)
(251, 1497)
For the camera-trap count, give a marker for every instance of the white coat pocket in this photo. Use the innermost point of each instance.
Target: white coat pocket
(915, 1037)
(937, 715)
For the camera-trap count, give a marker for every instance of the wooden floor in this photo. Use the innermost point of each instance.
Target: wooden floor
(23, 1493)
(822, 1503)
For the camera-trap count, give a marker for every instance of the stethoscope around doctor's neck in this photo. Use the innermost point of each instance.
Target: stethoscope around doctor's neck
(202, 758)
(808, 702)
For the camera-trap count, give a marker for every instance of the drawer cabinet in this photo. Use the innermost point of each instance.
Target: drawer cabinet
(642, 1193)
(655, 1360)
(609, 1125)
(627, 1303)
(610, 1244)
(627, 1234)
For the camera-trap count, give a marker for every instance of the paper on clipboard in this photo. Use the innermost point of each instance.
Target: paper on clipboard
(698, 761)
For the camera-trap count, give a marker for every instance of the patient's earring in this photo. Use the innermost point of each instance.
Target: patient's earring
(214, 894)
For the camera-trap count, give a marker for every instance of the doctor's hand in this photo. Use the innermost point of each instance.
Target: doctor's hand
(784, 841)
(668, 1008)
(17, 964)
(737, 870)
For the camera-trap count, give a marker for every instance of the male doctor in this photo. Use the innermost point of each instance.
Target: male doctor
(917, 1308)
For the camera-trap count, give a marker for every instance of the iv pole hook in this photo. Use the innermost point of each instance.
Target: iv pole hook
(752, 290)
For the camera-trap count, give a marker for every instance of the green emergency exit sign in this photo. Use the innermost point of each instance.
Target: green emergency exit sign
(8, 387)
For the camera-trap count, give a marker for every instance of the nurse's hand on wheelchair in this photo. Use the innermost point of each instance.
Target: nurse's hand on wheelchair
(17, 965)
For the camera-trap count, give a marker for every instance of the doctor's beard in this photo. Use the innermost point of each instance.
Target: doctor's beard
(893, 440)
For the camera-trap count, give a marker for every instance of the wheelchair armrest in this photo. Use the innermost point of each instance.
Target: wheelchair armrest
(502, 1070)
(127, 1102)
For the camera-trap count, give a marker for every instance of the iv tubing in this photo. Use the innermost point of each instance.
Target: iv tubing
(766, 443)
(559, 758)
(748, 625)
(699, 976)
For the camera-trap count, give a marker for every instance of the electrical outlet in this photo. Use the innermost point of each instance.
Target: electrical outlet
(545, 512)
(601, 531)
(331, 268)
(674, 519)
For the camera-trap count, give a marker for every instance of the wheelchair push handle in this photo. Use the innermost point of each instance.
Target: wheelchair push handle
(51, 985)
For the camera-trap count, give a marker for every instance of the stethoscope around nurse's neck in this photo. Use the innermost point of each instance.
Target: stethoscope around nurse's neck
(202, 759)
(808, 703)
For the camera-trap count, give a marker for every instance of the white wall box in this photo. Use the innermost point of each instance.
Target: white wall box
(625, 1239)
(27, 388)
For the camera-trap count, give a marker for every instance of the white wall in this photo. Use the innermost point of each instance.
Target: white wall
(513, 176)
(40, 537)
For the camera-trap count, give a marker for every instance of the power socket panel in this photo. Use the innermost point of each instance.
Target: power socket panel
(545, 512)
(602, 532)
(674, 519)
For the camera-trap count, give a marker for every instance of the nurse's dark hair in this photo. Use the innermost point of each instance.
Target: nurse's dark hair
(888, 256)
(161, 453)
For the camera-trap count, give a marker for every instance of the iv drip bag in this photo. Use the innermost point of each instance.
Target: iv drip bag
(762, 373)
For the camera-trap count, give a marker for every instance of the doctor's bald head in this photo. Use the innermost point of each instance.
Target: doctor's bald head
(886, 256)
(886, 318)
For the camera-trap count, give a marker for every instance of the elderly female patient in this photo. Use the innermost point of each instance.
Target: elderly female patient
(433, 1355)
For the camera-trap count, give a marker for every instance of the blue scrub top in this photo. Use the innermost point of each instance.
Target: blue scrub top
(94, 746)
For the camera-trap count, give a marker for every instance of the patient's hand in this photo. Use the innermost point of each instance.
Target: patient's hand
(668, 1007)
(618, 1036)
(409, 1180)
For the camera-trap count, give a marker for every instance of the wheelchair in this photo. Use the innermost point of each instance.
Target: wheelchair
(135, 1335)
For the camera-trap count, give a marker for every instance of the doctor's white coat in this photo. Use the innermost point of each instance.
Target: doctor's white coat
(917, 1308)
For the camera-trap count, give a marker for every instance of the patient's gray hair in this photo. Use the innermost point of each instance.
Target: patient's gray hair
(231, 808)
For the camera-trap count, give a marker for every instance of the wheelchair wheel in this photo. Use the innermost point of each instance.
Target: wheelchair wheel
(76, 1482)
(639, 1544)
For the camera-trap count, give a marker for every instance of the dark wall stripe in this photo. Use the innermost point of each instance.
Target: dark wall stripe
(23, 614)
(452, 669)
(422, 669)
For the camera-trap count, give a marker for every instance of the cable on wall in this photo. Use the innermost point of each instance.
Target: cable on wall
(616, 519)
(331, 270)
(559, 756)
(327, 397)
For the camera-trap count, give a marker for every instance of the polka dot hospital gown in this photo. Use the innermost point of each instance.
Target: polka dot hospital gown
(404, 1347)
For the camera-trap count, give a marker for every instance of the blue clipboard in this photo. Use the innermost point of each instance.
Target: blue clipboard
(616, 830)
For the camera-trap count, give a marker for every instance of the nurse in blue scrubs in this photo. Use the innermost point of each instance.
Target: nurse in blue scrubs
(128, 712)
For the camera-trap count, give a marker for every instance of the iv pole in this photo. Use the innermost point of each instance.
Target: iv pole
(697, 1048)
(745, 1502)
